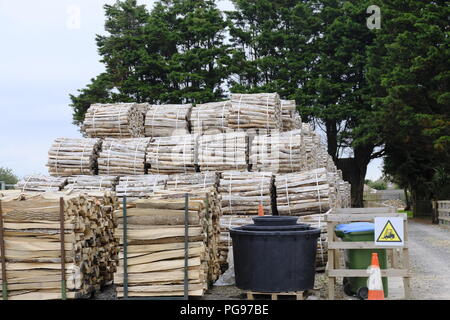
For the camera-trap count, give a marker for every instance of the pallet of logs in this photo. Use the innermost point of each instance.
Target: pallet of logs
(68, 157)
(119, 120)
(259, 111)
(201, 181)
(167, 120)
(139, 187)
(123, 157)
(171, 155)
(243, 192)
(279, 153)
(303, 193)
(288, 108)
(210, 118)
(41, 183)
(79, 184)
(32, 236)
(224, 151)
(156, 248)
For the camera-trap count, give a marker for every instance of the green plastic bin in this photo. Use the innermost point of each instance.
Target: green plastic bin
(360, 258)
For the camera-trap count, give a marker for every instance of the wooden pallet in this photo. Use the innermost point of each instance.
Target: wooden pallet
(298, 295)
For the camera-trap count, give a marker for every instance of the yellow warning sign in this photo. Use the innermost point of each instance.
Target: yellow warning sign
(389, 234)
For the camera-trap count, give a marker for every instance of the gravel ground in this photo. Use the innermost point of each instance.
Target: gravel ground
(429, 260)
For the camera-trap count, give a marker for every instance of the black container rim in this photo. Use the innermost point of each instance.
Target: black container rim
(307, 232)
(274, 220)
(294, 227)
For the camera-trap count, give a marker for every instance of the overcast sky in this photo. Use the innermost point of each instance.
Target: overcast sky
(45, 55)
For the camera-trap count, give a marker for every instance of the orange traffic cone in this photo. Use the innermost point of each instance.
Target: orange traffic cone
(260, 210)
(374, 283)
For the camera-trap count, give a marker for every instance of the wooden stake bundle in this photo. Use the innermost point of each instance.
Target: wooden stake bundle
(41, 183)
(288, 108)
(77, 184)
(201, 181)
(303, 193)
(255, 111)
(33, 248)
(156, 248)
(123, 157)
(243, 192)
(280, 153)
(174, 154)
(210, 118)
(68, 157)
(137, 187)
(120, 120)
(167, 120)
(221, 152)
(318, 221)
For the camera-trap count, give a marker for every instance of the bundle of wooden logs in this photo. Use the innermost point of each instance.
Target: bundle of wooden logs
(260, 111)
(41, 183)
(68, 157)
(224, 151)
(278, 153)
(120, 120)
(79, 184)
(210, 118)
(243, 192)
(171, 155)
(288, 109)
(156, 248)
(303, 193)
(318, 221)
(167, 120)
(201, 181)
(123, 157)
(138, 187)
(34, 246)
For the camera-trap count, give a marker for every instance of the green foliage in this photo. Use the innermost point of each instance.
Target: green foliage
(377, 185)
(8, 176)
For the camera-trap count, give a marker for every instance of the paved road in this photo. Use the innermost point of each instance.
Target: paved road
(430, 260)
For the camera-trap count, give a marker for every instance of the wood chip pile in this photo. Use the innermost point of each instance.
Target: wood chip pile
(120, 120)
(68, 157)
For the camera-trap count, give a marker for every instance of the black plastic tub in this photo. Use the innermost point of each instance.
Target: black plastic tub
(275, 255)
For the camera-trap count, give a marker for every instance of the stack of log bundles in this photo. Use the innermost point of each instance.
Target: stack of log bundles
(201, 181)
(120, 120)
(226, 223)
(77, 184)
(143, 108)
(123, 157)
(303, 193)
(174, 154)
(41, 183)
(224, 151)
(156, 248)
(33, 246)
(288, 108)
(318, 221)
(279, 153)
(68, 157)
(255, 111)
(243, 192)
(211, 226)
(210, 118)
(167, 120)
(138, 187)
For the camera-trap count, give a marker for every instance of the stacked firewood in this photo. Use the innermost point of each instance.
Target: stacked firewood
(167, 120)
(288, 108)
(171, 155)
(77, 184)
(225, 151)
(303, 193)
(260, 111)
(68, 157)
(243, 192)
(123, 157)
(120, 120)
(280, 153)
(41, 183)
(32, 230)
(141, 186)
(210, 118)
(156, 248)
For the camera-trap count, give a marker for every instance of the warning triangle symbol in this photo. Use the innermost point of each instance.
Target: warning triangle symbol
(389, 234)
